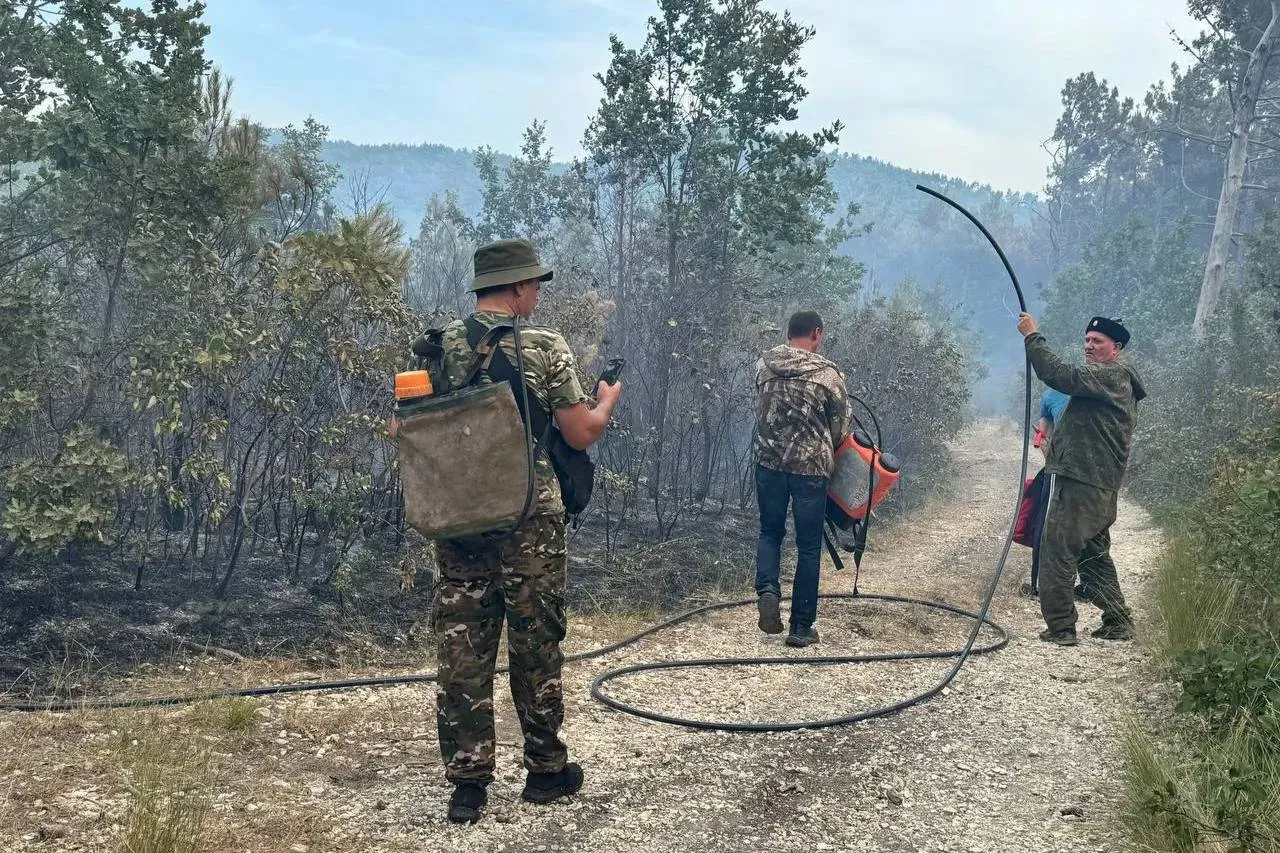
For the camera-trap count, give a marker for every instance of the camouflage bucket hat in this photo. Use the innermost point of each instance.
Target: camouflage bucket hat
(506, 262)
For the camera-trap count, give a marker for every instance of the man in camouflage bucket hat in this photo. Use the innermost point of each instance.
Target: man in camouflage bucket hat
(520, 575)
(1086, 463)
(803, 416)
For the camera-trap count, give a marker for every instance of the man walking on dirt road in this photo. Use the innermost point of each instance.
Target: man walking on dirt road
(1086, 462)
(803, 416)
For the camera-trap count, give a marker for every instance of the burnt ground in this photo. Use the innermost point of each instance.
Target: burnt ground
(57, 619)
(71, 630)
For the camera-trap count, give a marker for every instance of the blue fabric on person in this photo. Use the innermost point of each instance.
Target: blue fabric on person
(1052, 404)
(808, 498)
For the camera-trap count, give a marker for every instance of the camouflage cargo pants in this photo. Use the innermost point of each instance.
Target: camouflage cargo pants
(1076, 536)
(521, 577)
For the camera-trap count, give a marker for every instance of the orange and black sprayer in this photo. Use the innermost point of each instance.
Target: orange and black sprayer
(415, 387)
(412, 386)
(862, 477)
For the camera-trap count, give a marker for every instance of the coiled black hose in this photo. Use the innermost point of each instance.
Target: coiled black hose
(961, 655)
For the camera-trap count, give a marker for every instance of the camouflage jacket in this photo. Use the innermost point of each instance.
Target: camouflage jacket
(803, 411)
(550, 374)
(1091, 439)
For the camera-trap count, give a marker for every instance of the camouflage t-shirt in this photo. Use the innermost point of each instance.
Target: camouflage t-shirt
(803, 411)
(550, 375)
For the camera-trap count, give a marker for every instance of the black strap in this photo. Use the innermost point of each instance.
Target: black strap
(831, 548)
(496, 364)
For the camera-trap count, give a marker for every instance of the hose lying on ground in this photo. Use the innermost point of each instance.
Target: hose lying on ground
(426, 678)
(961, 655)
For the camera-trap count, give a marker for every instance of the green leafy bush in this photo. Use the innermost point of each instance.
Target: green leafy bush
(68, 498)
(1219, 595)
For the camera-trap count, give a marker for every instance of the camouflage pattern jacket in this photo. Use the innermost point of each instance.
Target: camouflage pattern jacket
(550, 374)
(1091, 440)
(803, 411)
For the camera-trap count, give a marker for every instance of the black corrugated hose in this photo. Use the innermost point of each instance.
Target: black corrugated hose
(961, 655)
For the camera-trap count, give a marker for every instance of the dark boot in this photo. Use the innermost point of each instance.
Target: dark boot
(770, 619)
(1086, 593)
(545, 788)
(1062, 638)
(801, 637)
(467, 802)
(1114, 631)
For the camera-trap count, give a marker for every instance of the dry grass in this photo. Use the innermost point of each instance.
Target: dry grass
(169, 784)
(1197, 609)
(229, 775)
(236, 716)
(1173, 799)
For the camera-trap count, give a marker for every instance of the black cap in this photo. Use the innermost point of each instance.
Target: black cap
(1112, 327)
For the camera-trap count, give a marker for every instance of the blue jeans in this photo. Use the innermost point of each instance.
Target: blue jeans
(808, 499)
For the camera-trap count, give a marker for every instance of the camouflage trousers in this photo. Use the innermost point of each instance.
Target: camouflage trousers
(1076, 537)
(483, 579)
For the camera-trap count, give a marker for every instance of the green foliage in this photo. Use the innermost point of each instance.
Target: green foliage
(1219, 596)
(1224, 683)
(68, 498)
(440, 260)
(912, 371)
(695, 113)
(298, 181)
(1150, 280)
(34, 331)
(181, 288)
(521, 195)
(1263, 270)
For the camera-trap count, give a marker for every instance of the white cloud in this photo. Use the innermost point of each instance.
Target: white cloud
(973, 89)
(348, 44)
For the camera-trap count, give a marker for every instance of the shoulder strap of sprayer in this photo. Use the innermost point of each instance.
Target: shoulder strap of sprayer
(484, 341)
(495, 363)
(831, 548)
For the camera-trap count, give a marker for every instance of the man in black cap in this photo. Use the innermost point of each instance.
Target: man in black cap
(1086, 462)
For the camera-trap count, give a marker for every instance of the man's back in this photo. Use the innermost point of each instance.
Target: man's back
(550, 376)
(803, 411)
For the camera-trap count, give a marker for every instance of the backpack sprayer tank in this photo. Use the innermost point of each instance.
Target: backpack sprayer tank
(465, 452)
(863, 475)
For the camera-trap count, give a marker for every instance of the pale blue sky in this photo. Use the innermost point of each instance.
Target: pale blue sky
(966, 88)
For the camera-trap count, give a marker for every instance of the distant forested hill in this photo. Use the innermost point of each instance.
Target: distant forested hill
(405, 176)
(912, 237)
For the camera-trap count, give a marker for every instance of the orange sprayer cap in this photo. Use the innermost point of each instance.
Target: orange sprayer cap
(413, 383)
